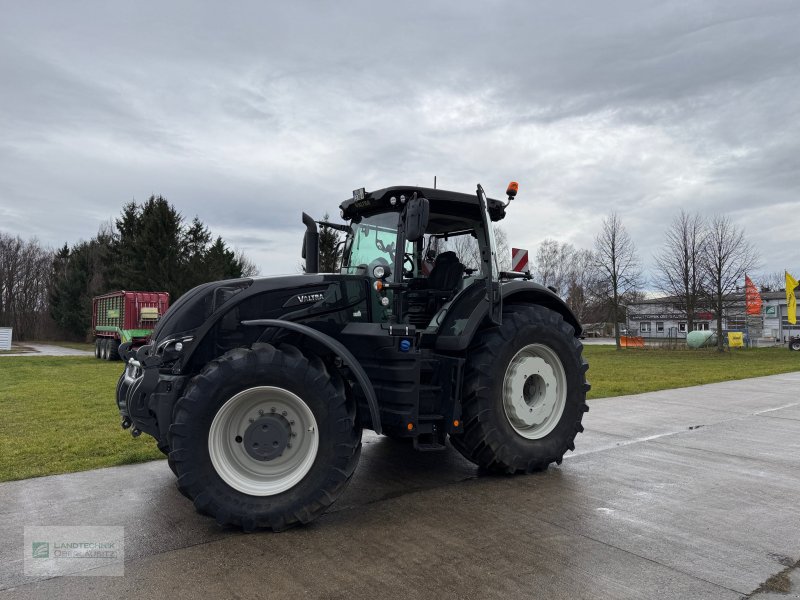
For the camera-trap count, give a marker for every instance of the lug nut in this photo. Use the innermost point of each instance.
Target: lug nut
(260, 412)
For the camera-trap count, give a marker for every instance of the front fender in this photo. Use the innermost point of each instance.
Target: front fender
(337, 348)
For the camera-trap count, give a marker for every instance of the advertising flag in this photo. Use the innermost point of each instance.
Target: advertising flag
(791, 300)
(752, 297)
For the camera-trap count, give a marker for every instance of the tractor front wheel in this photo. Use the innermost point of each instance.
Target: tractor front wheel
(264, 438)
(524, 393)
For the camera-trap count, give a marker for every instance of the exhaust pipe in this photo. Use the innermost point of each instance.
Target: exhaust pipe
(311, 245)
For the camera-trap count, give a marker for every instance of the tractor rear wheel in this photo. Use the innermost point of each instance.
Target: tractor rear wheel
(795, 344)
(524, 393)
(264, 438)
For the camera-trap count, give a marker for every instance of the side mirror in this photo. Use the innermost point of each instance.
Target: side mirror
(416, 218)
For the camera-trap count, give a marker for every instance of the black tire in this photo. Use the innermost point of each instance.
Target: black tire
(113, 349)
(339, 437)
(104, 349)
(795, 345)
(165, 450)
(489, 439)
(97, 350)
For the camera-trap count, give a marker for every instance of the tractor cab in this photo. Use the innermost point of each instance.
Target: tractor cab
(402, 238)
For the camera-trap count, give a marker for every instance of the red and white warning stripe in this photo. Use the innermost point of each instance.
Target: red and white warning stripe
(519, 259)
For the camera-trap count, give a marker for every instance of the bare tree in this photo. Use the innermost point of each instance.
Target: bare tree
(618, 266)
(582, 284)
(555, 265)
(770, 282)
(727, 256)
(25, 269)
(679, 265)
(466, 247)
(249, 268)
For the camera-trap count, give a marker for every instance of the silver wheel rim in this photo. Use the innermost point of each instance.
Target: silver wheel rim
(226, 443)
(534, 391)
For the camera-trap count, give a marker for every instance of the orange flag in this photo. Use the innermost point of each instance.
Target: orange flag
(752, 297)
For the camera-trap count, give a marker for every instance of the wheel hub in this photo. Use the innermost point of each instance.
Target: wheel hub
(531, 400)
(267, 437)
(534, 391)
(263, 440)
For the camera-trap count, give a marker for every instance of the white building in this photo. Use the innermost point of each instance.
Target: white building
(663, 318)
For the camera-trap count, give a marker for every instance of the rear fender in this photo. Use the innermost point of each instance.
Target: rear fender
(513, 292)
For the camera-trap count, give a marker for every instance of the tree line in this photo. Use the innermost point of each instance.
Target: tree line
(149, 247)
(701, 266)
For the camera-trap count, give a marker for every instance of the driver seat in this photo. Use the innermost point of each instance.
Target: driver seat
(445, 277)
(447, 272)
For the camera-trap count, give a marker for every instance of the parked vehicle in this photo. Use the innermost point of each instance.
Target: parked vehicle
(120, 317)
(794, 344)
(258, 389)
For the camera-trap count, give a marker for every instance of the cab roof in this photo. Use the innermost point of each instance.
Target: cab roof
(443, 204)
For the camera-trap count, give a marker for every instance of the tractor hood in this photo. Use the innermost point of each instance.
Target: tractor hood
(265, 297)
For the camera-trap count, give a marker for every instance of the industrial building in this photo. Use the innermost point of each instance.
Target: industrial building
(664, 318)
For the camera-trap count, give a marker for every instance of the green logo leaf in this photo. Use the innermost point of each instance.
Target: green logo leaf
(41, 549)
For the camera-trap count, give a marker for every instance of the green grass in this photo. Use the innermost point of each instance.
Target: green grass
(57, 414)
(633, 371)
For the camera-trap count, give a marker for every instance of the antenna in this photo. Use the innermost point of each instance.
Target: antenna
(434, 182)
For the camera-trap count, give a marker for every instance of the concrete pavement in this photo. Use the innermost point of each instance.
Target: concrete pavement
(48, 350)
(688, 493)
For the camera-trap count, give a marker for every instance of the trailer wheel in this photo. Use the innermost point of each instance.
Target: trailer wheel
(104, 349)
(524, 393)
(97, 351)
(264, 438)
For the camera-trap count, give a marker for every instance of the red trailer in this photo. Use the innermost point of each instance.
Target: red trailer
(122, 316)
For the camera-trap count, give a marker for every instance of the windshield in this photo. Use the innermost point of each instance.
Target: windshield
(372, 243)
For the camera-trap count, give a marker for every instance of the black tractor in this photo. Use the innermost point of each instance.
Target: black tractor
(258, 389)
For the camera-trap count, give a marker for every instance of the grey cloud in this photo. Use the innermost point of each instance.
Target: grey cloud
(247, 114)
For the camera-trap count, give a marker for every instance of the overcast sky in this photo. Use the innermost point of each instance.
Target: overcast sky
(244, 114)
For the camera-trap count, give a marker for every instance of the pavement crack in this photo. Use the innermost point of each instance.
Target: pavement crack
(778, 583)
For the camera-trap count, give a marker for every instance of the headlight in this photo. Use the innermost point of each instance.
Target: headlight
(379, 272)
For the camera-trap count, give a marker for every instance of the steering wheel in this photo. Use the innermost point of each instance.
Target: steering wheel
(387, 249)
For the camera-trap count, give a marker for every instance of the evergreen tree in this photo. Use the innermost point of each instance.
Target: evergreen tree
(329, 249)
(151, 250)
